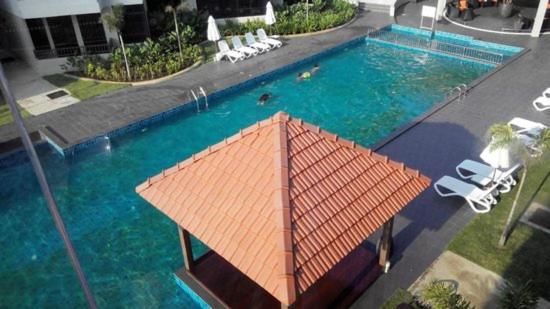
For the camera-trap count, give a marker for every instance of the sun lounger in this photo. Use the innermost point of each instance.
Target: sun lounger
(546, 93)
(251, 42)
(267, 40)
(238, 46)
(232, 55)
(527, 127)
(542, 103)
(486, 175)
(479, 200)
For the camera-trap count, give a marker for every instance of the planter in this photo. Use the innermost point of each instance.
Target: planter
(506, 9)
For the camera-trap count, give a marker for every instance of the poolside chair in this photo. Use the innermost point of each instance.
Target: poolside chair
(527, 127)
(542, 103)
(251, 42)
(486, 175)
(546, 93)
(232, 55)
(238, 46)
(267, 40)
(479, 200)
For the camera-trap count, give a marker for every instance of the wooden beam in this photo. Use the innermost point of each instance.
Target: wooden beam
(186, 248)
(386, 242)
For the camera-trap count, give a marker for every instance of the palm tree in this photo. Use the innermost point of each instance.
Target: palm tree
(114, 18)
(174, 10)
(503, 136)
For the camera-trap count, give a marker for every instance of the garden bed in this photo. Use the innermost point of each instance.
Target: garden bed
(525, 255)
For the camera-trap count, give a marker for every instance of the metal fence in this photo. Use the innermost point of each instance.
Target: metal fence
(439, 46)
(73, 51)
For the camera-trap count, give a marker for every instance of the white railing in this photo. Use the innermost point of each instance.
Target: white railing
(439, 46)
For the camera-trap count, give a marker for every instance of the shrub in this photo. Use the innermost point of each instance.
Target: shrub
(291, 19)
(439, 295)
(148, 60)
(518, 297)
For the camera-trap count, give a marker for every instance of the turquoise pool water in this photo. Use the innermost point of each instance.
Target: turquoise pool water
(128, 249)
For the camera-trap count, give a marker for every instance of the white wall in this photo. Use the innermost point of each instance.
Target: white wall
(49, 8)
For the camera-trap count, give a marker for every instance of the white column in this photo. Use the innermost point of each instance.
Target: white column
(440, 7)
(48, 33)
(539, 18)
(77, 32)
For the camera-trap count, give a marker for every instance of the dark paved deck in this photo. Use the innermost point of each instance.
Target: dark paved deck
(435, 146)
(342, 285)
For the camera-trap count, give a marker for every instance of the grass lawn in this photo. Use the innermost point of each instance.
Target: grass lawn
(526, 254)
(82, 89)
(5, 114)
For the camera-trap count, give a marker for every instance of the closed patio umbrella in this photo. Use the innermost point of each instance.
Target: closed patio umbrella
(212, 32)
(497, 158)
(269, 14)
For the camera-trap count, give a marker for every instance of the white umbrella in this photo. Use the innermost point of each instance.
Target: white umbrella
(212, 33)
(269, 14)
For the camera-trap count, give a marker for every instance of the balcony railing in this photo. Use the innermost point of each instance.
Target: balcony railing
(73, 51)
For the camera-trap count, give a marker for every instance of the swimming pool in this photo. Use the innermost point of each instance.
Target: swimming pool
(128, 249)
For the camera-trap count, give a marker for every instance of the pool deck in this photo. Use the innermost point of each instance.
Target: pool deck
(434, 146)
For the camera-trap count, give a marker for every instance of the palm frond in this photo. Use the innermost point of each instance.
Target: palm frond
(502, 135)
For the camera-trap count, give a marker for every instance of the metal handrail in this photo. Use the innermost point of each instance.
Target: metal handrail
(439, 46)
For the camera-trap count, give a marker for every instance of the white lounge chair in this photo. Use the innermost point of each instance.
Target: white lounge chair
(542, 103)
(238, 46)
(546, 93)
(267, 40)
(527, 127)
(232, 55)
(479, 200)
(251, 42)
(486, 175)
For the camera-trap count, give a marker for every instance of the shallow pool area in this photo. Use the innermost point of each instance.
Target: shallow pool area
(128, 249)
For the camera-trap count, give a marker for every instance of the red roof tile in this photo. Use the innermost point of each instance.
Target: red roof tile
(283, 201)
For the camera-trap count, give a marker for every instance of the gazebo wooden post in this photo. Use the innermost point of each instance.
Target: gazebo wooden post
(186, 248)
(386, 242)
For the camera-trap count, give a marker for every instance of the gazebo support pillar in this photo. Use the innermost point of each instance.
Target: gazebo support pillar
(386, 242)
(186, 248)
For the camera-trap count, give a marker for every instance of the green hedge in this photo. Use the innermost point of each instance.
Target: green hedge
(291, 19)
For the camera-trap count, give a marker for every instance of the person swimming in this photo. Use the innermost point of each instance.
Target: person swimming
(308, 74)
(264, 98)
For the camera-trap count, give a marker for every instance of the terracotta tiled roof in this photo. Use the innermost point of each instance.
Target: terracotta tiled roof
(283, 201)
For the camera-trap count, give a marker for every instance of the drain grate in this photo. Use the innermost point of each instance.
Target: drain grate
(57, 94)
(541, 217)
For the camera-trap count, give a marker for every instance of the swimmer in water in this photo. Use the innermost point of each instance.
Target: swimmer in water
(304, 75)
(308, 74)
(263, 98)
(315, 69)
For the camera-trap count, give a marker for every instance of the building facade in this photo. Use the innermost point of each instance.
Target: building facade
(44, 33)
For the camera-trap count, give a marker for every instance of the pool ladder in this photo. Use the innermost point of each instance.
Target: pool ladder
(200, 92)
(462, 90)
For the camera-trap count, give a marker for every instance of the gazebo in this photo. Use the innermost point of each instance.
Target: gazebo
(285, 208)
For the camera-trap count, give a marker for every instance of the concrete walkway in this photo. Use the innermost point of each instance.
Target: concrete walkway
(31, 90)
(478, 285)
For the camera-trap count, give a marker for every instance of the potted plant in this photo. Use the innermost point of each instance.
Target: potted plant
(506, 8)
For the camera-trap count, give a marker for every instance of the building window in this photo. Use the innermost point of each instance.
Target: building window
(91, 29)
(38, 34)
(63, 35)
(232, 8)
(135, 29)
